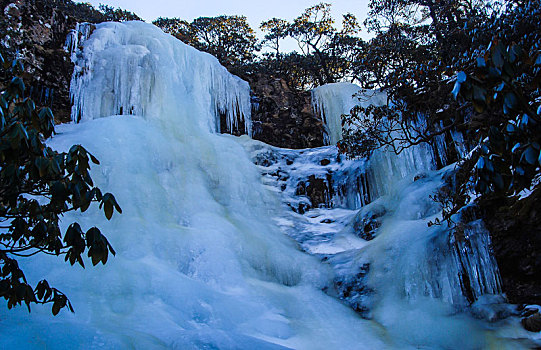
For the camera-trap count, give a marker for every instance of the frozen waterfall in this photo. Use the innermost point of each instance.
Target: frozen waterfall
(142, 72)
(200, 263)
(216, 252)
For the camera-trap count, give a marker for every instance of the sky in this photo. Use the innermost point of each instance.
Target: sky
(255, 11)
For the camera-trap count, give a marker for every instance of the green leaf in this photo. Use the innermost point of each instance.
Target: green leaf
(108, 209)
(3, 102)
(85, 204)
(481, 163)
(530, 155)
(511, 128)
(509, 103)
(41, 289)
(18, 85)
(514, 53)
(497, 55)
(45, 113)
(70, 307)
(56, 307)
(94, 159)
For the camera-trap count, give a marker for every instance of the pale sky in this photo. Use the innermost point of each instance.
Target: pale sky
(256, 11)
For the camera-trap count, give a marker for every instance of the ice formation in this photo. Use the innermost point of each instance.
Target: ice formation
(331, 101)
(389, 265)
(203, 259)
(199, 262)
(143, 72)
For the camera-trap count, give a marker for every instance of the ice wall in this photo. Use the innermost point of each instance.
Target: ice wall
(133, 68)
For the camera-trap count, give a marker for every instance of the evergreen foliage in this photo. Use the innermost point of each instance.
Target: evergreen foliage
(465, 66)
(37, 186)
(228, 38)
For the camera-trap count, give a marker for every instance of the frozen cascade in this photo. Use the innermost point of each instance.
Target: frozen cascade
(455, 266)
(200, 263)
(139, 81)
(389, 264)
(202, 259)
(417, 281)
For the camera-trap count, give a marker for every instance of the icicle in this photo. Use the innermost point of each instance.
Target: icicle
(76, 37)
(143, 67)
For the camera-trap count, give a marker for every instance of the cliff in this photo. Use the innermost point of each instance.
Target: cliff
(36, 31)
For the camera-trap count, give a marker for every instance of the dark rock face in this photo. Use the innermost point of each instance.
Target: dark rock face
(531, 320)
(282, 117)
(516, 239)
(318, 190)
(36, 31)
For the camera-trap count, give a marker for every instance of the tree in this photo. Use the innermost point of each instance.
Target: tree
(463, 68)
(277, 29)
(503, 88)
(325, 53)
(228, 38)
(37, 186)
(117, 15)
(418, 47)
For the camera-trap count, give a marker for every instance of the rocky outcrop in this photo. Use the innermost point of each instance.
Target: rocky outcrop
(282, 117)
(35, 31)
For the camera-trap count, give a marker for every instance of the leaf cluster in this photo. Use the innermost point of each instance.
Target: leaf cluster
(37, 186)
